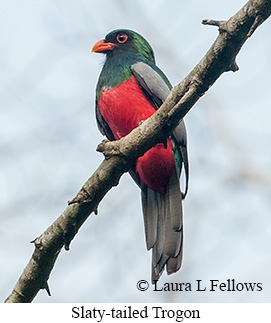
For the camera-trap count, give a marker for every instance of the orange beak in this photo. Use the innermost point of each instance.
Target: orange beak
(102, 46)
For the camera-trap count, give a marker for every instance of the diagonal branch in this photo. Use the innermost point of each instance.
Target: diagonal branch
(120, 154)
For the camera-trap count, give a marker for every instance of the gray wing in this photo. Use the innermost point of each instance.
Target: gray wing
(157, 87)
(163, 218)
(151, 81)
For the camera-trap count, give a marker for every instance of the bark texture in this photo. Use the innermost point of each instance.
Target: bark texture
(120, 154)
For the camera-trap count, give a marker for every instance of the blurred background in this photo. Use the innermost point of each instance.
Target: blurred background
(48, 137)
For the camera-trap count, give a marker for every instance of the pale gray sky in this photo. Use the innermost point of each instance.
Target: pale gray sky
(48, 138)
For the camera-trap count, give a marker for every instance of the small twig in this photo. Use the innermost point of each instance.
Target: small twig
(233, 67)
(221, 24)
(211, 22)
(257, 22)
(46, 287)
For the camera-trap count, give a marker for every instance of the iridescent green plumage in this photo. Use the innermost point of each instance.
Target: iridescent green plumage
(117, 69)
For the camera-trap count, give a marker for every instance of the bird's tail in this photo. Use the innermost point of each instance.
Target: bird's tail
(163, 220)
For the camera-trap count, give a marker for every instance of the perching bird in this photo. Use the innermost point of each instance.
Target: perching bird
(129, 90)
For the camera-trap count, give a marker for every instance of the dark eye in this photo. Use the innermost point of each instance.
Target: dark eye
(122, 38)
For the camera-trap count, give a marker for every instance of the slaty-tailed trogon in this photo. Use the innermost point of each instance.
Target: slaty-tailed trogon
(130, 89)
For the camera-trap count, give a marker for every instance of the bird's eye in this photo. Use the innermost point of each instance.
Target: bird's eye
(122, 38)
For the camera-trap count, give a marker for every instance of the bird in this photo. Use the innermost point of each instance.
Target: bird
(130, 89)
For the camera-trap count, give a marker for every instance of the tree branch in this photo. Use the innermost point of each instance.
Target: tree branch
(119, 155)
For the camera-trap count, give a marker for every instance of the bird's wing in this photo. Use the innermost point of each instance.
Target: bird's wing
(102, 124)
(157, 88)
(152, 80)
(163, 212)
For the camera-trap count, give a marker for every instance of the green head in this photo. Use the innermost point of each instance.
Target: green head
(124, 40)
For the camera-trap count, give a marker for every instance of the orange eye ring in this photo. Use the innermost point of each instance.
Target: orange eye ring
(122, 38)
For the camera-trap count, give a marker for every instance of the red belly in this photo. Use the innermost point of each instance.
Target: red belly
(123, 108)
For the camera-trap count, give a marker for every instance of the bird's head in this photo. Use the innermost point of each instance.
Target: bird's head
(123, 40)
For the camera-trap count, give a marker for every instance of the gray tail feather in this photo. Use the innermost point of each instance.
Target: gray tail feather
(163, 222)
